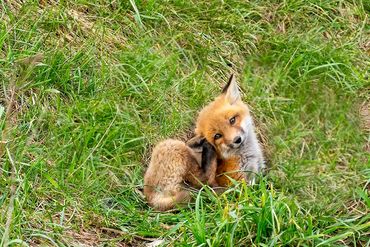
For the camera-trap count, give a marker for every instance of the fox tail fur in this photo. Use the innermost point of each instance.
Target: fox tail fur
(163, 201)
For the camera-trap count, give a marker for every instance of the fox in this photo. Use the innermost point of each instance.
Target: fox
(174, 163)
(226, 123)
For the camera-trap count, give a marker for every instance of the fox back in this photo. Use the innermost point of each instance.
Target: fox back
(174, 162)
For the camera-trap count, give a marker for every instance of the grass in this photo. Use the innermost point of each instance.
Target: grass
(87, 87)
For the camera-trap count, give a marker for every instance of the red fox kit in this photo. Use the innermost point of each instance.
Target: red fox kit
(174, 162)
(226, 123)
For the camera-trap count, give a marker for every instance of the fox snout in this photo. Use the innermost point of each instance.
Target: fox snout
(237, 142)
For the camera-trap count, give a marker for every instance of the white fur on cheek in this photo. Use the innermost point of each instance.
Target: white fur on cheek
(224, 151)
(247, 124)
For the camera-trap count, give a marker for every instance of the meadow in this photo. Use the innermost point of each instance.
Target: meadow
(88, 87)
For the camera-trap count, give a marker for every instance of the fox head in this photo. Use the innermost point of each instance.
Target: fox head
(225, 122)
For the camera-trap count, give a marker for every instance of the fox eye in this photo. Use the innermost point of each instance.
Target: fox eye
(217, 136)
(232, 120)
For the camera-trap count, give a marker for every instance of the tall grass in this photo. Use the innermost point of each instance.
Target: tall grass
(96, 84)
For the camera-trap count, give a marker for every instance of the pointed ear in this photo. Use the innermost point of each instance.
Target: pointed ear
(196, 143)
(231, 90)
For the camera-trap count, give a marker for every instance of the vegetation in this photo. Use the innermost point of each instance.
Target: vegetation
(87, 87)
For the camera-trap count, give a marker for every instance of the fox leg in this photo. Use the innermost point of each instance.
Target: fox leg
(251, 158)
(209, 164)
(251, 165)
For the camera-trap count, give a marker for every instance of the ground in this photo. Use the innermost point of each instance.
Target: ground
(88, 87)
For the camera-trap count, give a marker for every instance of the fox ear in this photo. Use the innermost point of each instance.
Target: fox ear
(231, 90)
(196, 143)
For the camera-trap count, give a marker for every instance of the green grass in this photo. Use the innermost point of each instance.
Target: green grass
(112, 79)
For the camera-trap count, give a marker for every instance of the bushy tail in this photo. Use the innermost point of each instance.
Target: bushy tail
(164, 201)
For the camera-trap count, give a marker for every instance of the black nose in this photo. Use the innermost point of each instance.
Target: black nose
(237, 140)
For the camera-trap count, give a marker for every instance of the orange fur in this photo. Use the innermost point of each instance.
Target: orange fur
(216, 117)
(228, 168)
(226, 123)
